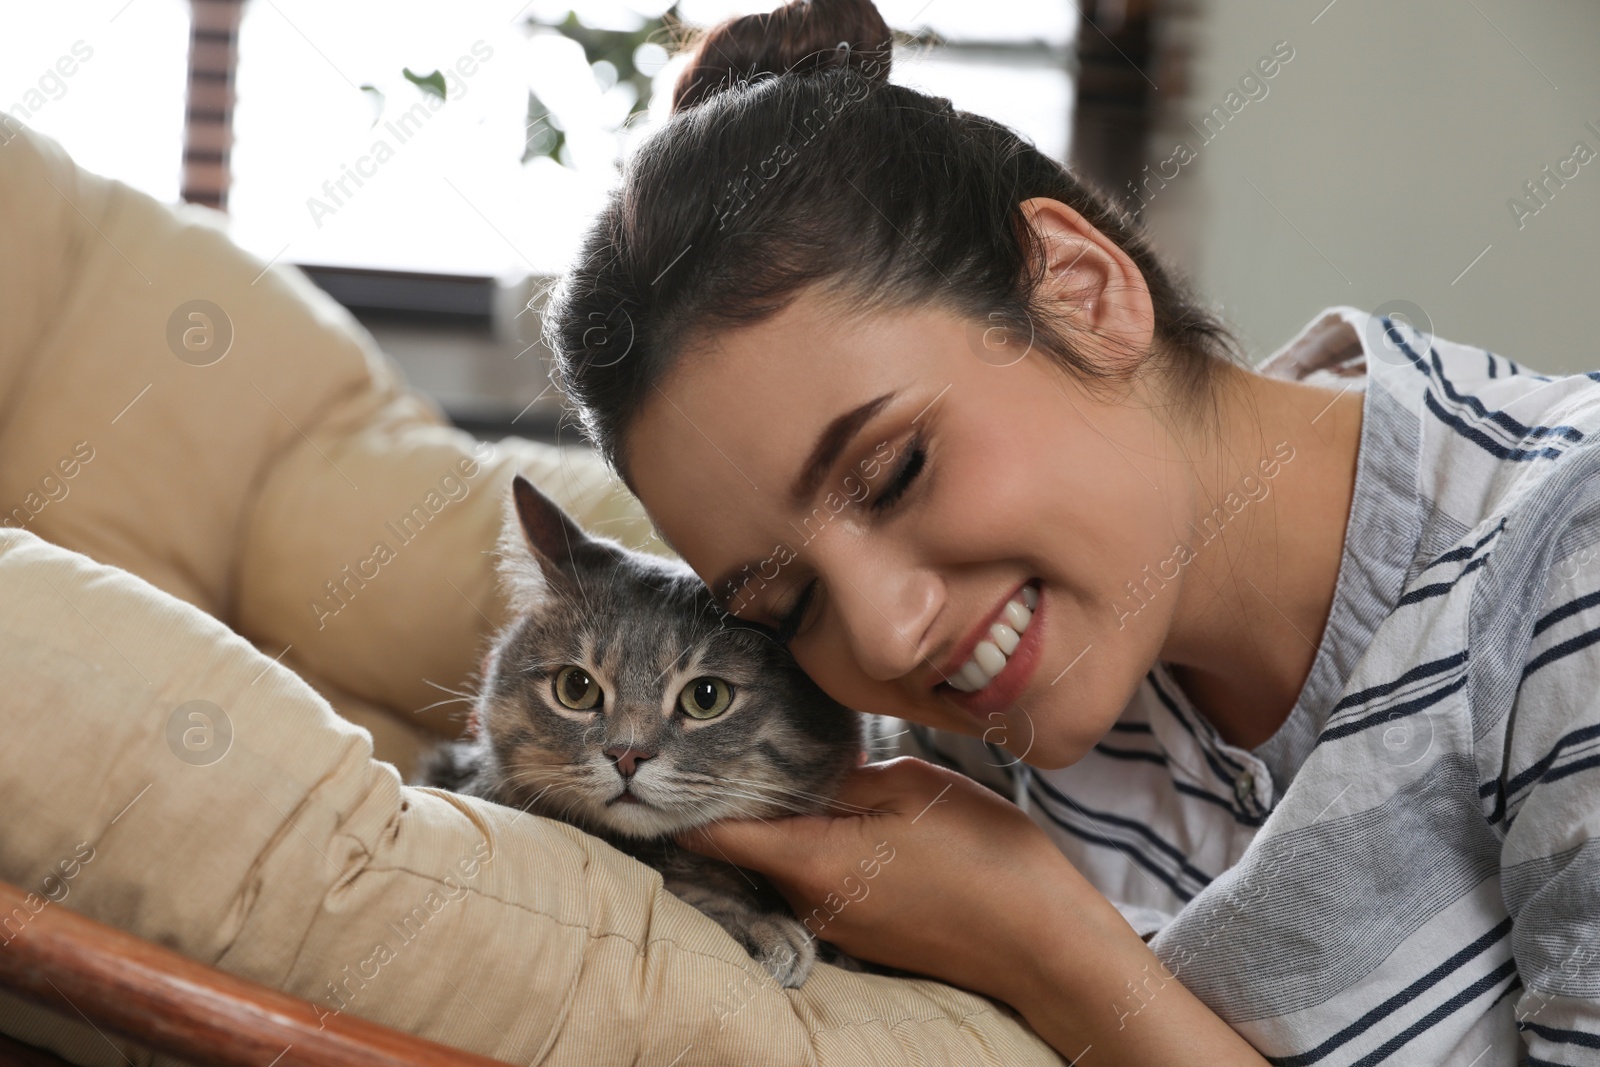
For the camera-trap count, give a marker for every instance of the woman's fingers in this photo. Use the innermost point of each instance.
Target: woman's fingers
(753, 843)
(888, 787)
(941, 876)
(900, 786)
(806, 855)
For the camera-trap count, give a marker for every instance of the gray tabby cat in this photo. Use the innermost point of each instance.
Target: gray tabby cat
(622, 701)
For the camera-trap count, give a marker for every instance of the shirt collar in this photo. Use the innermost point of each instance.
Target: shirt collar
(1343, 344)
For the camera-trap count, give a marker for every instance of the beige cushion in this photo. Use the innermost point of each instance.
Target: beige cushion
(297, 860)
(205, 509)
(247, 486)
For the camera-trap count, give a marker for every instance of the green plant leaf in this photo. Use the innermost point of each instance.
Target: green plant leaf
(374, 96)
(432, 84)
(544, 136)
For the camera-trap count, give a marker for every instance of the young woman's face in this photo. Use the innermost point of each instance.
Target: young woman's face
(885, 486)
(892, 488)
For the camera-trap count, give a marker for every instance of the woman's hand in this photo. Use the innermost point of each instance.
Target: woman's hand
(945, 881)
(946, 878)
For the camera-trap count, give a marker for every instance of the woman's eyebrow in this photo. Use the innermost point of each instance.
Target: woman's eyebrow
(834, 439)
(831, 442)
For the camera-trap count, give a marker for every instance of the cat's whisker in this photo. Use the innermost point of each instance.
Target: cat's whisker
(821, 805)
(442, 703)
(554, 778)
(446, 689)
(535, 799)
(578, 799)
(539, 667)
(722, 789)
(776, 802)
(821, 798)
(516, 766)
(523, 776)
(555, 787)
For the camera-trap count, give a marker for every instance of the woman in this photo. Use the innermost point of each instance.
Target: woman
(1294, 680)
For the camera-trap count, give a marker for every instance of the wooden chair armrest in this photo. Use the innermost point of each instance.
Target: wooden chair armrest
(16, 1054)
(123, 984)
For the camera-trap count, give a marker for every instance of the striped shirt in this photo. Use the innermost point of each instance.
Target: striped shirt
(1405, 871)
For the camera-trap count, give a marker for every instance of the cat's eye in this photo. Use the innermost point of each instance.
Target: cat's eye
(577, 690)
(705, 698)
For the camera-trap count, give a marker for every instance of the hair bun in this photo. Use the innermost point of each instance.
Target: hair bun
(798, 38)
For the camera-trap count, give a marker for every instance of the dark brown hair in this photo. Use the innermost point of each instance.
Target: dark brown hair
(791, 162)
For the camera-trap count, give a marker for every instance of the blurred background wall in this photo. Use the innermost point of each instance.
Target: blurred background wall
(1379, 164)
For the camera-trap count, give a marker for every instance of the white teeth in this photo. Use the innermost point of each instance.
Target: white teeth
(971, 676)
(989, 657)
(959, 681)
(1005, 637)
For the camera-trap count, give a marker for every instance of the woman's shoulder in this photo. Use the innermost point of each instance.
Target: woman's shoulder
(1508, 483)
(1490, 444)
(1464, 443)
(1489, 467)
(1508, 461)
(1454, 382)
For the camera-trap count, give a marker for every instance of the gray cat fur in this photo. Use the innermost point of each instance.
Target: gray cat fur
(643, 627)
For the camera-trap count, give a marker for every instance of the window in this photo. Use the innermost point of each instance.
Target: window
(106, 80)
(431, 217)
(324, 173)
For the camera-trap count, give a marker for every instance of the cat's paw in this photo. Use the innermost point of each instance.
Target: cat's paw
(833, 954)
(781, 945)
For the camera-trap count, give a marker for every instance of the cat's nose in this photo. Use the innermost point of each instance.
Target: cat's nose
(627, 759)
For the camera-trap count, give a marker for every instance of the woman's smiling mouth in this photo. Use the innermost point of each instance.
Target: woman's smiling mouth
(999, 656)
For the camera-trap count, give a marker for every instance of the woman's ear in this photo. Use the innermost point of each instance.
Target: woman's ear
(1089, 281)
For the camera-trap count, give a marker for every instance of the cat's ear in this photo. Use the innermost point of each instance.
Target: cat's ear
(548, 531)
(538, 544)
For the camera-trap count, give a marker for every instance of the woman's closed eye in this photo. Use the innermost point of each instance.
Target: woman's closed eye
(789, 624)
(916, 459)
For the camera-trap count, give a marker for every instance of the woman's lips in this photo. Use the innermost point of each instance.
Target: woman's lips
(1005, 688)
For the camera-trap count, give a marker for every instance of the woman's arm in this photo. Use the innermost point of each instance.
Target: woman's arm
(945, 878)
(1073, 980)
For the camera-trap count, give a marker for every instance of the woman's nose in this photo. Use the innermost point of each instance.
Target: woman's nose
(885, 607)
